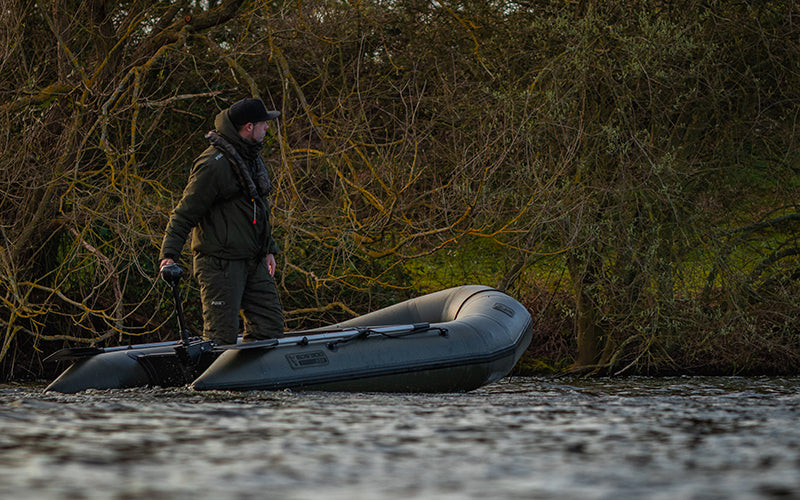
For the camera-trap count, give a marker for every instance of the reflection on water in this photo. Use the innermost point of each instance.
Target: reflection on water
(521, 438)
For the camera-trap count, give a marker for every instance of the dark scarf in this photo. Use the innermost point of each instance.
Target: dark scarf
(248, 166)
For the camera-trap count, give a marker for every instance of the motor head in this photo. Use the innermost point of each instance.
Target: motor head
(171, 274)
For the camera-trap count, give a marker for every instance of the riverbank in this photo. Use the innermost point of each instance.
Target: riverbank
(711, 350)
(553, 351)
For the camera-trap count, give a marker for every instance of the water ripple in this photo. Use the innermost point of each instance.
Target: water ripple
(523, 438)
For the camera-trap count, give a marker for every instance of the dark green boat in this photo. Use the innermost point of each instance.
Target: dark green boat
(448, 341)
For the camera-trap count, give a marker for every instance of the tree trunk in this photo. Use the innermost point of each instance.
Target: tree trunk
(590, 335)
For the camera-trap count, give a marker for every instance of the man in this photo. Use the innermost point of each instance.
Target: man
(225, 206)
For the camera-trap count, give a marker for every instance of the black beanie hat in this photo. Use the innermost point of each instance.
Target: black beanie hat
(250, 110)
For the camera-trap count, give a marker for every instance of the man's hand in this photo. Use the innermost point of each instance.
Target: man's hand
(165, 262)
(271, 264)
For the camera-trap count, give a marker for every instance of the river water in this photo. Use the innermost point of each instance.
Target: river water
(522, 438)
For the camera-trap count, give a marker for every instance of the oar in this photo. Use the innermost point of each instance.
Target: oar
(75, 353)
(331, 336)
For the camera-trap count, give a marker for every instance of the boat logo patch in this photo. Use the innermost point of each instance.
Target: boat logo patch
(306, 359)
(504, 309)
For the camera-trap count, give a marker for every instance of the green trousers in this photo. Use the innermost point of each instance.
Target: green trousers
(230, 286)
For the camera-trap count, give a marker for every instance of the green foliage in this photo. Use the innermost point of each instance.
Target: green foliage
(477, 261)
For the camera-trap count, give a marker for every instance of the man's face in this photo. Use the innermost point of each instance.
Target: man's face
(255, 131)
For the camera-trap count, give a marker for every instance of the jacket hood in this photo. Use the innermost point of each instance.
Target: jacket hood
(225, 128)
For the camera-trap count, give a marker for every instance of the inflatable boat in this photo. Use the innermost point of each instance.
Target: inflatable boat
(449, 341)
(453, 340)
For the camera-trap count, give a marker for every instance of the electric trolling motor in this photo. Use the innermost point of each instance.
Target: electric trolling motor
(192, 348)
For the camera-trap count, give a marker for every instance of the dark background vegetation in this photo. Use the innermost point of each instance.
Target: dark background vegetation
(629, 170)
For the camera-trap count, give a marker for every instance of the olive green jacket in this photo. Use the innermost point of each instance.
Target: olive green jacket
(224, 222)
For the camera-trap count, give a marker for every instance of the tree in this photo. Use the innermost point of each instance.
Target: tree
(654, 120)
